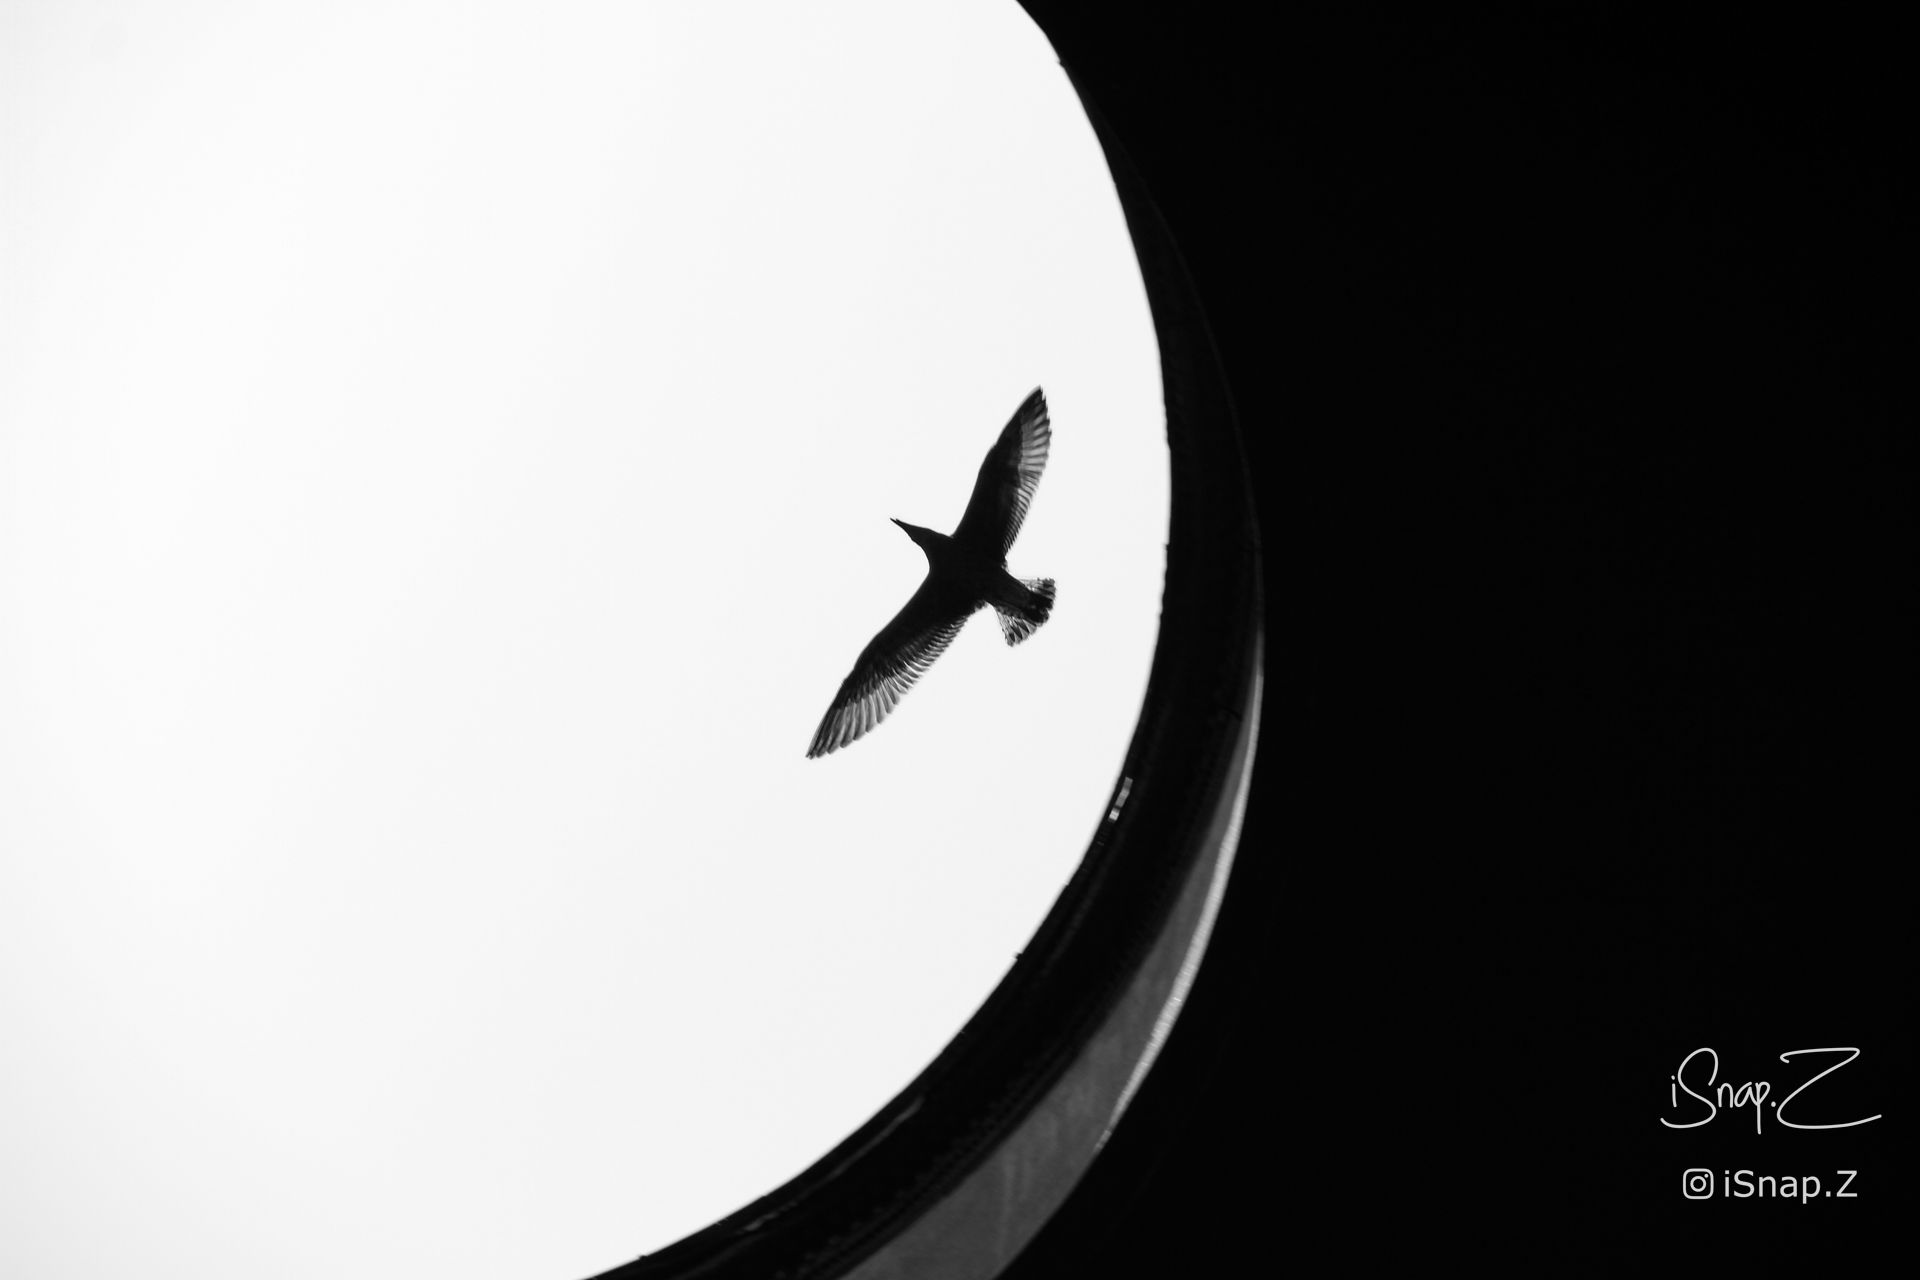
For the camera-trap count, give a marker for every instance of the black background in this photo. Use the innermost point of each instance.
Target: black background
(1563, 340)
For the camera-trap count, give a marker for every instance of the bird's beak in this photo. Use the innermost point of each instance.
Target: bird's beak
(902, 524)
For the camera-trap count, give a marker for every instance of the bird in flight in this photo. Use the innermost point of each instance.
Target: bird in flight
(965, 570)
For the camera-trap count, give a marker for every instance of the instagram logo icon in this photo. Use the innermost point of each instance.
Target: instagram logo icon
(1697, 1184)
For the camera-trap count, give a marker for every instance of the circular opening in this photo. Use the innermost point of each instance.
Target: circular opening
(449, 454)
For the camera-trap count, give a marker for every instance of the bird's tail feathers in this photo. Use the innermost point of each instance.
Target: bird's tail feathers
(1017, 625)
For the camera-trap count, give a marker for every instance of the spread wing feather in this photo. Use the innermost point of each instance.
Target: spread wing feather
(1008, 478)
(887, 668)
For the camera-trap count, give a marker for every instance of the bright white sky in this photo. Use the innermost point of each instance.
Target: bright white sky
(446, 453)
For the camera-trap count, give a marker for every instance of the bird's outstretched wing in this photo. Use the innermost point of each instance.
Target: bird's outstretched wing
(1007, 480)
(887, 668)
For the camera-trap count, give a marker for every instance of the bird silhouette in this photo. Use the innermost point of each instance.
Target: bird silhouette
(965, 570)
